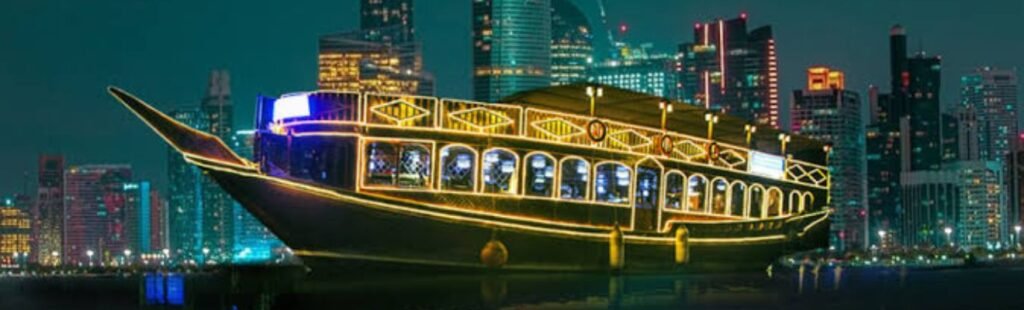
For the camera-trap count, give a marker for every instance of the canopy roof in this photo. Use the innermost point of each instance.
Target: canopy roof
(642, 109)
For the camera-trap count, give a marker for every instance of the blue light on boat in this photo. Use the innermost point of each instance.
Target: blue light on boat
(291, 106)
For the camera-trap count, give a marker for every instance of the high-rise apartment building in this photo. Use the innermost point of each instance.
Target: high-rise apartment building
(216, 207)
(828, 112)
(96, 214)
(571, 43)
(731, 69)
(511, 47)
(640, 70)
(992, 93)
(15, 231)
(185, 194)
(48, 212)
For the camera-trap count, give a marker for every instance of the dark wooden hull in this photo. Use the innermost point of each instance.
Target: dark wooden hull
(330, 233)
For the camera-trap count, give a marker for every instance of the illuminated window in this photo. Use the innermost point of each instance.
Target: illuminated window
(540, 175)
(380, 163)
(737, 192)
(719, 192)
(458, 164)
(774, 202)
(575, 175)
(756, 201)
(696, 191)
(647, 187)
(674, 190)
(499, 171)
(611, 183)
(414, 166)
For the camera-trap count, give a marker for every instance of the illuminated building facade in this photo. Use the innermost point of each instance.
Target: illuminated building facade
(883, 167)
(828, 112)
(511, 47)
(96, 213)
(147, 221)
(48, 211)
(981, 220)
(15, 231)
(571, 43)
(654, 76)
(726, 68)
(382, 56)
(185, 194)
(217, 223)
(253, 242)
(992, 93)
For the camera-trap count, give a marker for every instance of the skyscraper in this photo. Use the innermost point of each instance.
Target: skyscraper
(253, 242)
(639, 69)
(905, 138)
(993, 94)
(216, 207)
(147, 221)
(382, 56)
(96, 213)
(15, 231)
(571, 48)
(48, 211)
(185, 194)
(828, 112)
(511, 47)
(728, 68)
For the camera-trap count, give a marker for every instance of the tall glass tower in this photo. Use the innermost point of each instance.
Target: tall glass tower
(571, 49)
(511, 47)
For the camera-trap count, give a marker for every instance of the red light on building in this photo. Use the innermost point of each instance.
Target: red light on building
(743, 15)
(623, 28)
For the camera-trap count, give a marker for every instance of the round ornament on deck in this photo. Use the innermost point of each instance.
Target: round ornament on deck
(713, 151)
(665, 145)
(597, 130)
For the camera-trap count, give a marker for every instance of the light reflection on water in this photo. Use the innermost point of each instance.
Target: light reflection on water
(812, 287)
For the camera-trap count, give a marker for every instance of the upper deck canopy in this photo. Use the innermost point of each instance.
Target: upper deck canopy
(642, 109)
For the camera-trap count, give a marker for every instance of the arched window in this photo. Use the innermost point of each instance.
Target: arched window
(774, 202)
(458, 168)
(414, 166)
(756, 204)
(611, 183)
(719, 192)
(696, 192)
(808, 202)
(499, 171)
(380, 164)
(674, 188)
(575, 178)
(737, 193)
(796, 202)
(648, 187)
(540, 175)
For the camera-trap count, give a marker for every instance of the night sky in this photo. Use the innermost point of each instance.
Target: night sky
(56, 57)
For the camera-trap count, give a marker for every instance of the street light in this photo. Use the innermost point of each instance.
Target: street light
(594, 93)
(712, 119)
(89, 253)
(1016, 239)
(750, 130)
(881, 238)
(666, 108)
(784, 138)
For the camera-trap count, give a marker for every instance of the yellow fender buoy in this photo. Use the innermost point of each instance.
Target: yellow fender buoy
(682, 245)
(616, 249)
(494, 254)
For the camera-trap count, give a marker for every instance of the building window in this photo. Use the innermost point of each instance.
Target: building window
(458, 165)
(756, 201)
(674, 190)
(611, 183)
(737, 193)
(774, 202)
(380, 163)
(575, 175)
(540, 175)
(499, 171)
(647, 187)
(414, 166)
(719, 192)
(696, 191)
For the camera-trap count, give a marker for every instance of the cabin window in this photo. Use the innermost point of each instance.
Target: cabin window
(774, 202)
(575, 175)
(737, 192)
(540, 175)
(756, 201)
(795, 204)
(674, 190)
(719, 192)
(611, 183)
(381, 159)
(414, 166)
(647, 187)
(807, 203)
(458, 164)
(696, 191)
(499, 172)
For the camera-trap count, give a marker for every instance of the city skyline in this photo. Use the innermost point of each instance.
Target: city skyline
(127, 45)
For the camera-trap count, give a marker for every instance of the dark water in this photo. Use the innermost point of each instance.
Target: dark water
(996, 288)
